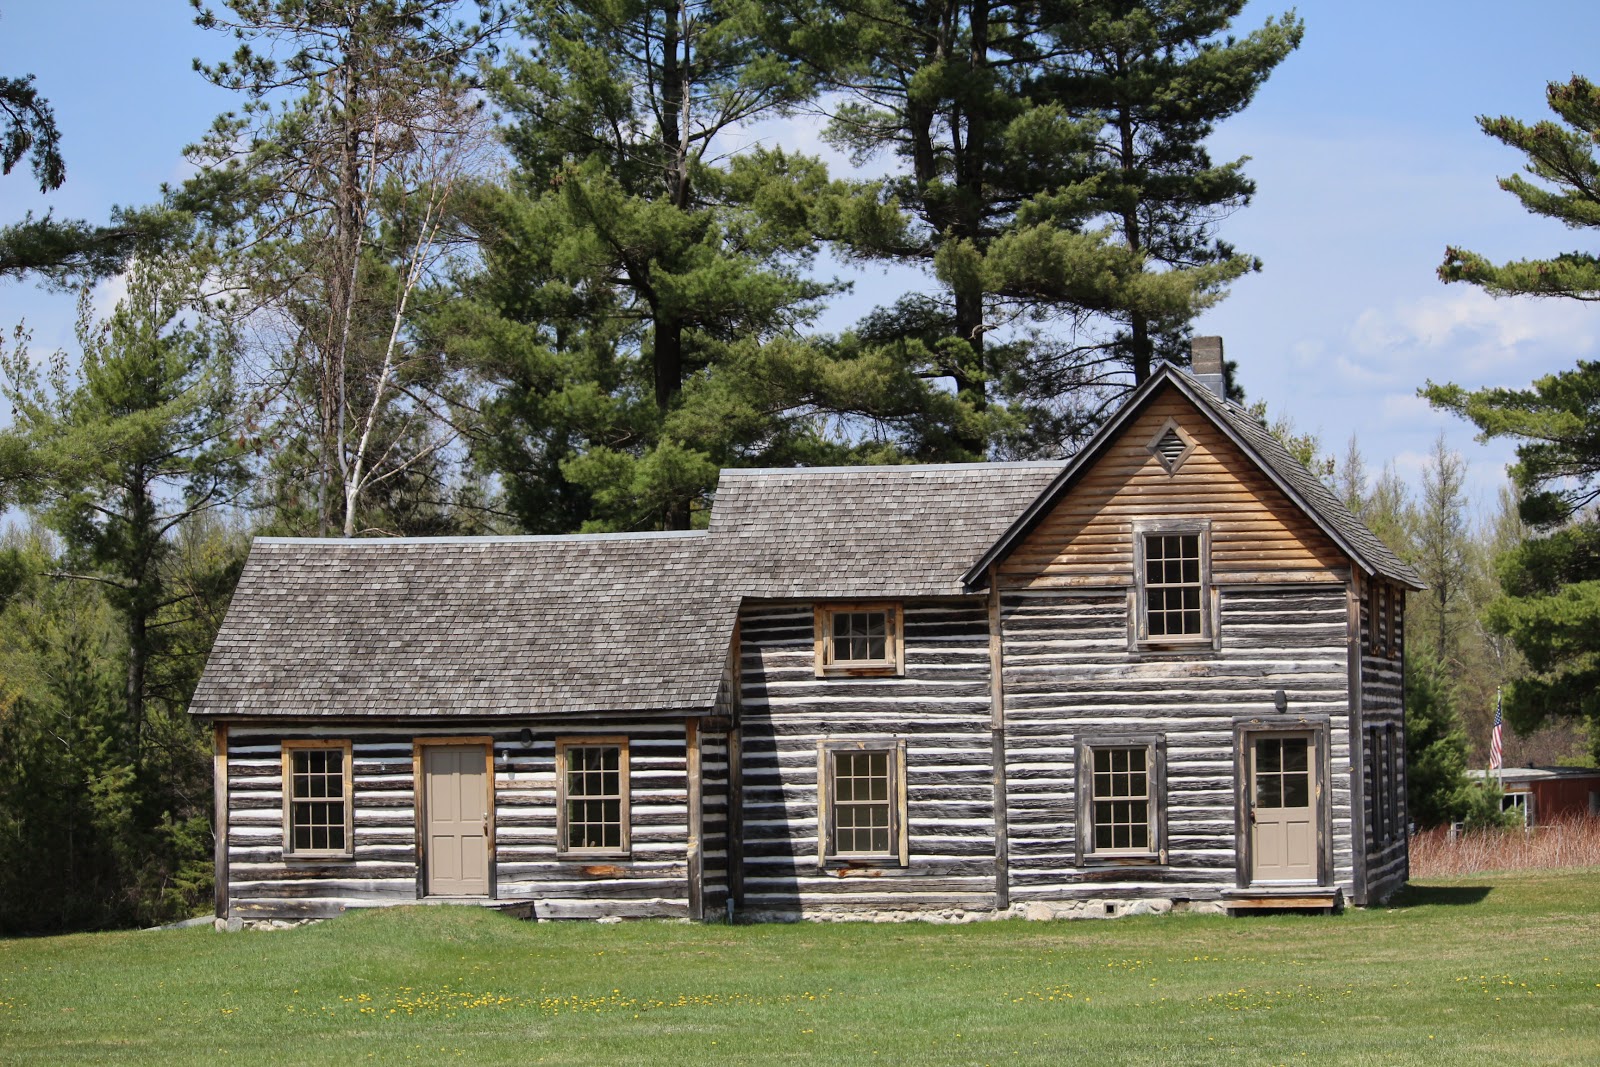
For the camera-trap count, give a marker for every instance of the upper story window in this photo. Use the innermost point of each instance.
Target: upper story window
(1172, 562)
(316, 800)
(859, 639)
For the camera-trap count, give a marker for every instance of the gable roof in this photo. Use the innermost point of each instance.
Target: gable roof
(471, 626)
(851, 532)
(1257, 442)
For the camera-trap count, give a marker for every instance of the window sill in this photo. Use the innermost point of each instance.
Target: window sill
(314, 859)
(577, 856)
(831, 863)
(1136, 859)
(1205, 649)
(865, 670)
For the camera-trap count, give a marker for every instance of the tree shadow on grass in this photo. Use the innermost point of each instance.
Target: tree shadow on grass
(1416, 896)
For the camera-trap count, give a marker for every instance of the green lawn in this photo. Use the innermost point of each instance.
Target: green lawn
(1493, 969)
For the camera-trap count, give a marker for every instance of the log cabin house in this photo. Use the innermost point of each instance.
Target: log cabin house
(1165, 674)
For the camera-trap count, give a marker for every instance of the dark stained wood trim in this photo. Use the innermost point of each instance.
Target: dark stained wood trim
(219, 818)
(696, 858)
(997, 742)
(735, 818)
(1357, 745)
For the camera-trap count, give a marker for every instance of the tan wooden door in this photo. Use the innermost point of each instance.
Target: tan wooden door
(456, 810)
(1283, 809)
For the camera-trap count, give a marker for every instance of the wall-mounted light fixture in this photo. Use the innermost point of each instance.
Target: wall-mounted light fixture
(527, 737)
(1280, 700)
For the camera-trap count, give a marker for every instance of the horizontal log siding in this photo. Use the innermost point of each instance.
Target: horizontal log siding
(1067, 672)
(941, 710)
(652, 881)
(1257, 534)
(1382, 703)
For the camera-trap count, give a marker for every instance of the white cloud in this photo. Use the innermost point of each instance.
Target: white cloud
(1480, 335)
(108, 294)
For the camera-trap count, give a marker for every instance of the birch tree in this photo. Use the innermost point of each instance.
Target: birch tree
(346, 103)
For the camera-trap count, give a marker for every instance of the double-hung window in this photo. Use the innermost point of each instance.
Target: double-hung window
(858, 639)
(1172, 584)
(861, 809)
(592, 796)
(317, 816)
(1121, 801)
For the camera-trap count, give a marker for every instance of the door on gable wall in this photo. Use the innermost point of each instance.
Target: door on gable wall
(455, 803)
(1283, 807)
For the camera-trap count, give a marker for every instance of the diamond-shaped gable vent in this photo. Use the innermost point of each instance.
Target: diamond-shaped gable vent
(1170, 449)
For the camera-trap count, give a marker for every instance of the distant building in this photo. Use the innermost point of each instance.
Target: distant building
(1543, 795)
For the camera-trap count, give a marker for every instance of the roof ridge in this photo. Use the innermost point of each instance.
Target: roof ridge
(470, 539)
(1014, 464)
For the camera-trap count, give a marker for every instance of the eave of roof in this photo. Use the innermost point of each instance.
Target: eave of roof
(1217, 410)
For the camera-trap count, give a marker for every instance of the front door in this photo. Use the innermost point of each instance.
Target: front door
(456, 816)
(1283, 807)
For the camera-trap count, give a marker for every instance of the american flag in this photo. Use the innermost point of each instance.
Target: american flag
(1495, 755)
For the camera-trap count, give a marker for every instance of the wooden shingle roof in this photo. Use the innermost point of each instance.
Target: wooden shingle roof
(471, 627)
(848, 532)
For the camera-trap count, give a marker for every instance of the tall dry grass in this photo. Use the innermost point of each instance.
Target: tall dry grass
(1571, 841)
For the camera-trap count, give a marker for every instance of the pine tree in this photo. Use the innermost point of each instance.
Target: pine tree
(641, 314)
(1053, 165)
(140, 440)
(1551, 584)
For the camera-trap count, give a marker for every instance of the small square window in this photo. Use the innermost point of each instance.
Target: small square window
(861, 809)
(858, 639)
(592, 796)
(316, 800)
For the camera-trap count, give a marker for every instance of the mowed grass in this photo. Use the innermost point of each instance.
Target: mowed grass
(1490, 969)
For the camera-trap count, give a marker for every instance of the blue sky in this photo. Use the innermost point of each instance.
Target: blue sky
(1363, 145)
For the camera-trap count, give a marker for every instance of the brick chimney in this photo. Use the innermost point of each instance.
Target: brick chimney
(1205, 363)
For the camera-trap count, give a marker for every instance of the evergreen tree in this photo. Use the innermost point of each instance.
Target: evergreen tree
(1442, 557)
(1551, 584)
(645, 290)
(1436, 747)
(139, 443)
(1055, 173)
(63, 252)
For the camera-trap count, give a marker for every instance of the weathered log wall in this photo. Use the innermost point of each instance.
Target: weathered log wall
(1383, 767)
(1068, 671)
(940, 708)
(651, 881)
